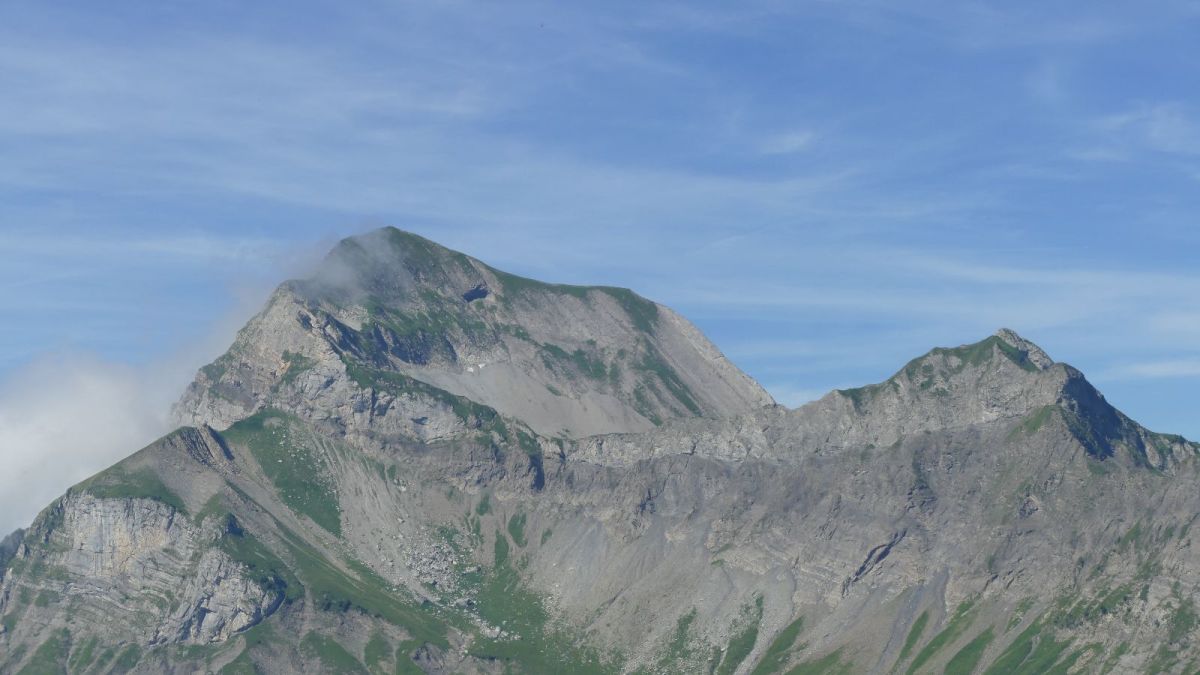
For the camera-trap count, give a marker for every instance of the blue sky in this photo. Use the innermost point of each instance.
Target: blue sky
(826, 188)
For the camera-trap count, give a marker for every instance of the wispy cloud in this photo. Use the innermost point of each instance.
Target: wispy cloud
(1169, 128)
(67, 417)
(1175, 368)
(1178, 324)
(787, 143)
(71, 412)
(927, 285)
(1048, 84)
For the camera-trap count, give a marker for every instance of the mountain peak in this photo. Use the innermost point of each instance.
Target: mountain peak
(1004, 344)
(1032, 353)
(997, 360)
(387, 264)
(389, 308)
(1002, 377)
(394, 267)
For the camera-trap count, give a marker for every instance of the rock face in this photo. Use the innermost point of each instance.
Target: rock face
(8, 548)
(415, 462)
(139, 559)
(567, 361)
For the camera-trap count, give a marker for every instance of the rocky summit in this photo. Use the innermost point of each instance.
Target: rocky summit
(414, 462)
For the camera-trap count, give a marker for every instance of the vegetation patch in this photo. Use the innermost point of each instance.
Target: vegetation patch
(296, 365)
(641, 403)
(418, 336)
(46, 597)
(253, 639)
(500, 550)
(679, 649)
(296, 463)
(981, 352)
(857, 395)
(921, 372)
(377, 652)
(334, 590)
(830, 664)
(471, 413)
(528, 444)
(1183, 622)
(1115, 658)
(779, 653)
(1033, 652)
(641, 312)
(958, 624)
(914, 635)
(36, 567)
(1018, 614)
(531, 642)
(265, 567)
(964, 662)
(576, 362)
(104, 660)
(15, 656)
(653, 363)
(404, 662)
(50, 657)
(742, 642)
(516, 529)
(1134, 537)
(127, 659)
(214, 507)
(520, 287)
(332, 655)
(1114, 599)
(217, 369)
(82, 656)
(120, 483)
(1034, 422)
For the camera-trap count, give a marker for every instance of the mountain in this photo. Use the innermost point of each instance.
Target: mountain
(413, 462)
(568, 361)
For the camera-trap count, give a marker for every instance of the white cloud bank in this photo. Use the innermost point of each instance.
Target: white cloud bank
(65, 418)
